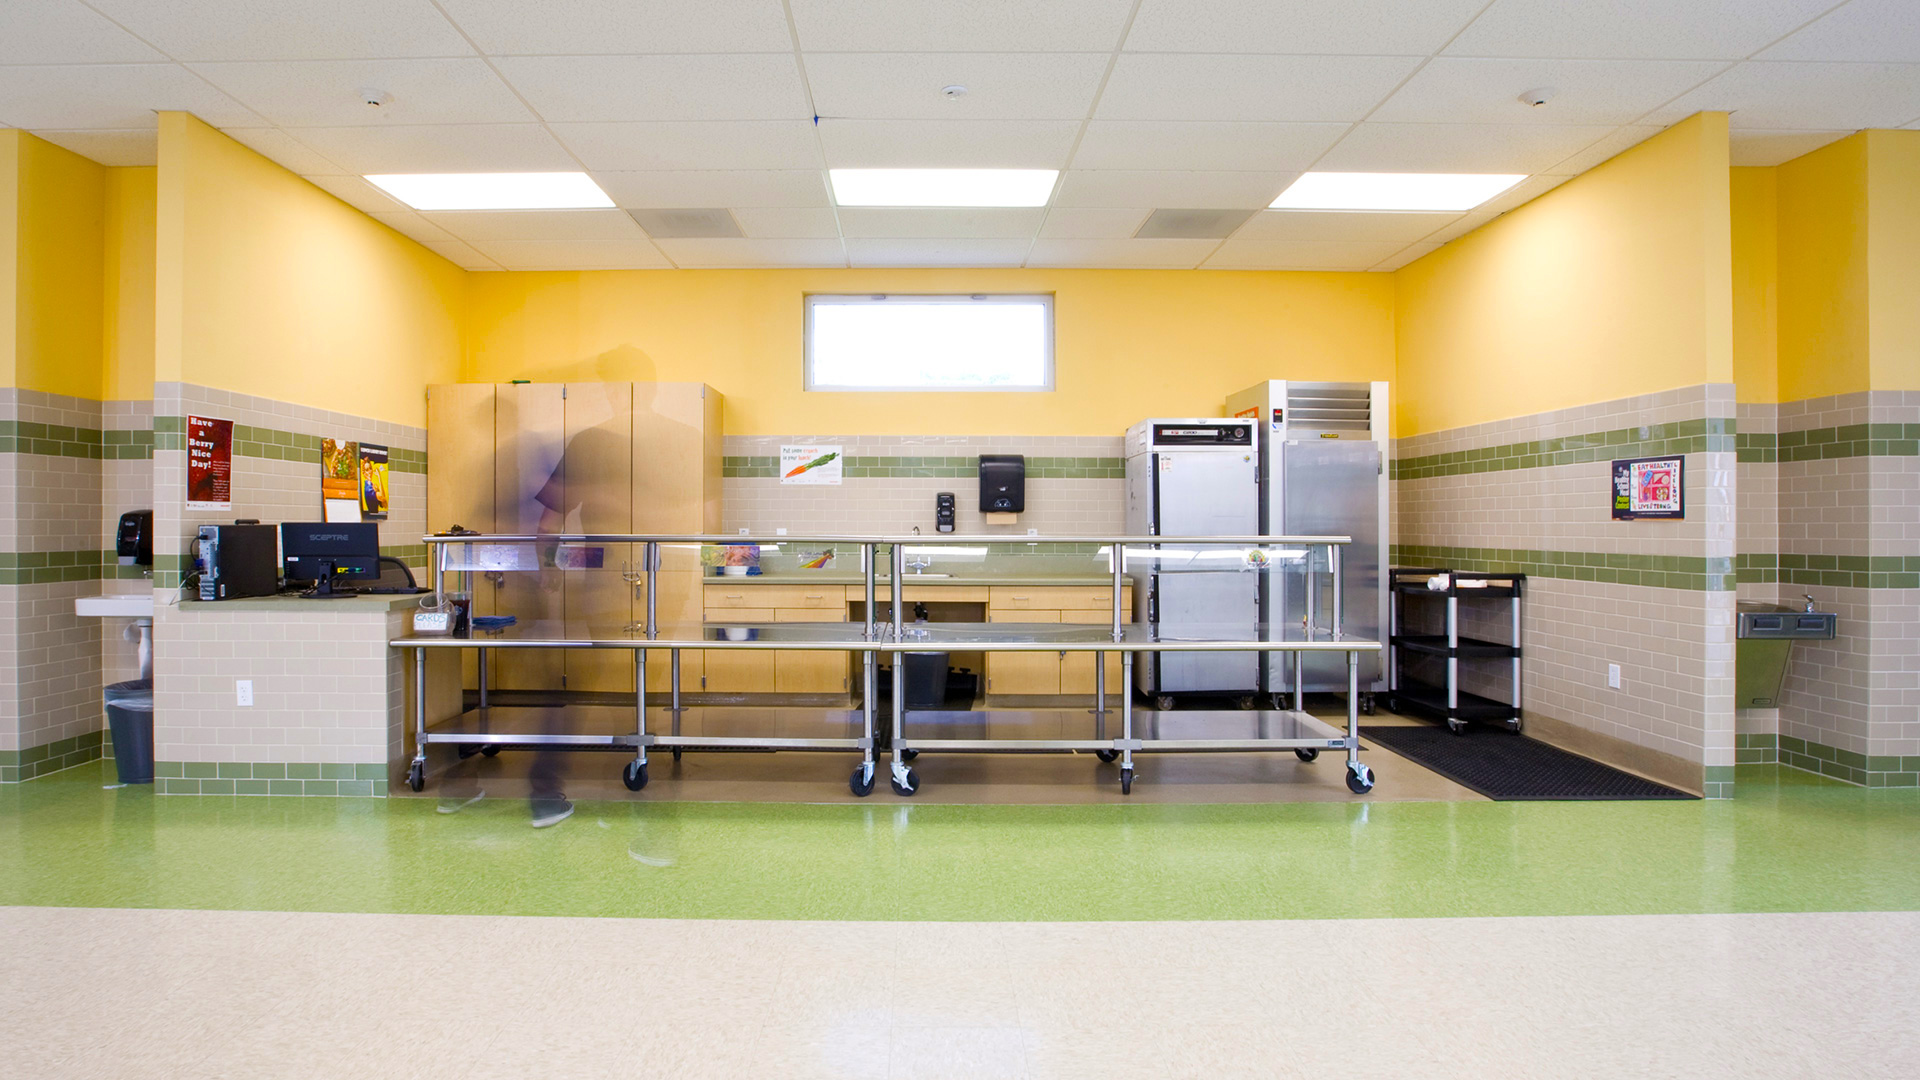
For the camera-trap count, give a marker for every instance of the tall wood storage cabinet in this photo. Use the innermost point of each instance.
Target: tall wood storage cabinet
(583, 458)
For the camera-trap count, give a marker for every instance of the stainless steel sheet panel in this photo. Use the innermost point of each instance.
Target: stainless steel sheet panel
(1329, 487)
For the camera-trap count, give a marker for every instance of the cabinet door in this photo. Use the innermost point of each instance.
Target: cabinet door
(1023, 672)
(460, 485)
(810, 672)
(530, 435)
(595, 492)
(737, 671)
(1076, 668)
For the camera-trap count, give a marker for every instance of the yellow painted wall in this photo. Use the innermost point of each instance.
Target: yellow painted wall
(269, 286)
(1893, 259)
(1618, 282)
(127, 298)
(1823, 228)
(1128, 344)
(57, 245)
(9, 250)
(1756, 284)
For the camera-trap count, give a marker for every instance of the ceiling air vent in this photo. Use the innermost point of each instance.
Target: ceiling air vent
(1191, 224)
(687, 224)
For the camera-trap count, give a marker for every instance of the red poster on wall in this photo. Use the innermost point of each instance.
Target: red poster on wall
(209, 464)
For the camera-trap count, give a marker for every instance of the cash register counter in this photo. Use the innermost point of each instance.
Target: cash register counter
(328, 699)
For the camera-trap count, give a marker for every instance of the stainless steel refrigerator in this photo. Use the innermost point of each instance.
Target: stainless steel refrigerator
(1194, 478)
(1322, 455)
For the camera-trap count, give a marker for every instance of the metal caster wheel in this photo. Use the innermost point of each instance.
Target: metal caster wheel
(909, 755)
(1126, 781)
(1307, 754)
(1245, 702)
(1516, 726)
(861, 783)
(905, 788)
(676, 755)
(1276, 701)
(634, 775)
(417, 775)
(1359, 779)
(467, 750)
(1366, 705)
(1107, 755)
(490, 750)
(1164, 703)
(1458, 727)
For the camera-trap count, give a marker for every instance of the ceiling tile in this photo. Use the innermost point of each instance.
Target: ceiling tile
(1309, 225)
(1239, 254)
(460, 254)
(1410, 253)
(671, 190)
(962, 252)
(1618, 141)
(739, 86)
(1186, 190)
(1761, 147)
(1887, 30)
(1215, 87)
(476, 226)
(573, 254)
(440, 148)
(960, 25)
(1489, 148)
(412, 226)
(111, 147)
(66, 32)
(326, 93)
(717, 145)
(905, 222)
(748, 252)
(358, 194)
(1808, 96)
(252, 30)
(1460, 228)
(1632, 29)
(282, 149)
(1459, 90)
(1225, 147)
(1373, 27)
(948, 144)
(1000, 86)
(1520, 194)
(787, 223)
(124, 96)
(1092, 223)
(509, 27)
(1156, 254)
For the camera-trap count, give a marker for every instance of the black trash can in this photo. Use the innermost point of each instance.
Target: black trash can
(926, 680)
(130, 717)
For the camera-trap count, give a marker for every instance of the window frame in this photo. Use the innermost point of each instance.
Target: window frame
(812, 300)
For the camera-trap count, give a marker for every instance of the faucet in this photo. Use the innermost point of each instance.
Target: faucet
(1809, 597)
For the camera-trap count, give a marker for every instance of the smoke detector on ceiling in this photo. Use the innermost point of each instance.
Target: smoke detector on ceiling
(373, 98)
(1537, 98)
(954, 91)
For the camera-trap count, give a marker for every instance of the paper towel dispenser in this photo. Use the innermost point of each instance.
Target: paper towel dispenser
(1003, 483)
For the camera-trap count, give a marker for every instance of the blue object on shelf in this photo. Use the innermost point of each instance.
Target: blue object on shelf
(493, 622)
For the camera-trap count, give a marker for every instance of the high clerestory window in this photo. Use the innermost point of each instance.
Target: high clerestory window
(948, 342)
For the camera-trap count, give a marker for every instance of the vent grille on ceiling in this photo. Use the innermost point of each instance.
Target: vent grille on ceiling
(1191, 224)
(687, 224)
(1330, 406)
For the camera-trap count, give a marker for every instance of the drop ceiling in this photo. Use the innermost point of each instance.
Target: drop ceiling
(742, 106)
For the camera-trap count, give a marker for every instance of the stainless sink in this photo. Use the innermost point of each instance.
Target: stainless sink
(1763, 646)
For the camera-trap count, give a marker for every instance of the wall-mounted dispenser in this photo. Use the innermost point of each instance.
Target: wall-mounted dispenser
(943, 511)
(133, 544)
(1003, 483)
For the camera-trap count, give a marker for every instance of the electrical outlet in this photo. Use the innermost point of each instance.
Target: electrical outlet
(243, 693)
(779, 532)
(1613, 676)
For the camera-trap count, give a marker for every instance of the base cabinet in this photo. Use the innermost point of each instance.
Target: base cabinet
(1050, 673)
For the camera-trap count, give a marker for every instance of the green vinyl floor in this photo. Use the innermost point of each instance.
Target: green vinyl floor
(1789, 842)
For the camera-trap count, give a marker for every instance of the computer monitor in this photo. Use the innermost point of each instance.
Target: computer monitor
(324, 553)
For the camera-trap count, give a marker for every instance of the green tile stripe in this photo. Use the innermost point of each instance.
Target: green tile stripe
(1716, 782)
(1853, 440)
(47, 567)
(870, 467)
(414, 555)
(1707, 435)
(1875, 771)
(1838, 571)
(18, 765)
(276, 445)
(268, 778)
(1653, 571)
(1756, 749)
(52, 440)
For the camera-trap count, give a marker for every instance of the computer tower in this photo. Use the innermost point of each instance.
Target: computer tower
(237, 561)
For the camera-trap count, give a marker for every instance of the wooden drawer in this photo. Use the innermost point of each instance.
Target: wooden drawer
(957, 594)
(809, 615)
(777, 596)
(1056, 597)
(739, 615)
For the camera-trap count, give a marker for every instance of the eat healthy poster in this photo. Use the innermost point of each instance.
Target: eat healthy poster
(209, 463)
(810, 464)
(340, 480)
(373, 481)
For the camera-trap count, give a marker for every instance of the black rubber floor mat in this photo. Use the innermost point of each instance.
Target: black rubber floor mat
(1513, 767)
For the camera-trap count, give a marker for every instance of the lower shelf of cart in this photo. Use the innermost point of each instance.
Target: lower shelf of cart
(1436, 645)
(1426, 698)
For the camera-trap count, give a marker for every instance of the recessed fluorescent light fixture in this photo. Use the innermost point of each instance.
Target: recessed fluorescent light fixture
(494, 191)
(1393, 191)
(942, 187)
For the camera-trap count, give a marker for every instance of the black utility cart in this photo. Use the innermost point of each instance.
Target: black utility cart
(1427, 648)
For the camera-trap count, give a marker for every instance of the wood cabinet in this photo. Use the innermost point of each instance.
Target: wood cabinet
(1047, 673)
(756, 671)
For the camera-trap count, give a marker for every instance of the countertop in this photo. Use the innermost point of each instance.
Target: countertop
(289, 603)
(849, 577)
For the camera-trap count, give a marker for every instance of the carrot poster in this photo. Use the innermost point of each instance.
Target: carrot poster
(811, 464)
